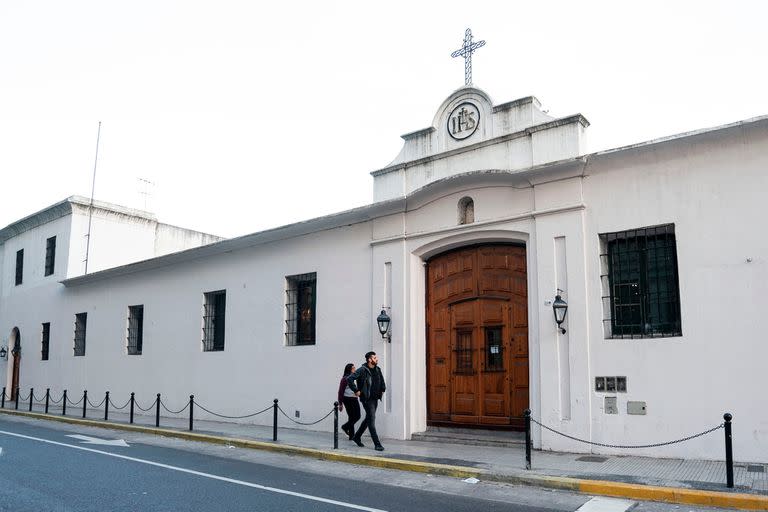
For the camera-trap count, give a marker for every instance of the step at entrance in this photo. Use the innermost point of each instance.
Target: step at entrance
(471, 436)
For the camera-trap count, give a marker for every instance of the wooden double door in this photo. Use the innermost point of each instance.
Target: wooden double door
(477, 337)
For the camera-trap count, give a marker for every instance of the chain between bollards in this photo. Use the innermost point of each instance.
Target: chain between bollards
(527, 414)
(335, 425)
(157, 411)
(133, 399)
(47, 398)
(191, 410)
(274, 420)
(728, 450)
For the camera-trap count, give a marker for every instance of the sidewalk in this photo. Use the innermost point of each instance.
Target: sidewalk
(676, 480)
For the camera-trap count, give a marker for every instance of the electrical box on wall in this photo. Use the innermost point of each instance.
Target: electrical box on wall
(611, 407)
(636, 408)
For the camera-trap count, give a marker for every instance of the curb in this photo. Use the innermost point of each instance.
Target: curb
(719, 499)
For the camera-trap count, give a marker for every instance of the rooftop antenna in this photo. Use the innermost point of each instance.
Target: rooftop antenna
(146, 193)
(90, 206)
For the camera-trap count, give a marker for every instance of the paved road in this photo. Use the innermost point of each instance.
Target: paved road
(43, 469)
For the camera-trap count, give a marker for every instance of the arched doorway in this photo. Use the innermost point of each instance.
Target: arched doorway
(15, 343)
(477, 336)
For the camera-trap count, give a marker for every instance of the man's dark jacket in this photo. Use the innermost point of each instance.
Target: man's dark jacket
(362, 380)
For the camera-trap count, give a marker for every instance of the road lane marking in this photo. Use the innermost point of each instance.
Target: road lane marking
(97, 440)
(199, 473)
(601, 504)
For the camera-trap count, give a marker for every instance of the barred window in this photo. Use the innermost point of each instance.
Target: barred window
(464, 353)
(301, 306)
(494, 349)
(213, 321)
(135, 330)
(80, 323)
(641, 296)
(44, 341)
(19, 266)
(50, 255)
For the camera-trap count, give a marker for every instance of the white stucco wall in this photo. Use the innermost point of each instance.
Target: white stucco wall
(255, 366)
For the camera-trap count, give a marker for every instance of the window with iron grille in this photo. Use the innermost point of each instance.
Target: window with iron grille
(45, 339)
(641, 296)
(19, 266)
(494, 349)
(135, 330)
(50, 255)
(300, 306)
(464, 353)
(214, 309)
(80, 323)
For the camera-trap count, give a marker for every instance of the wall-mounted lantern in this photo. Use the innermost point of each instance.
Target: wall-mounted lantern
(560, 308)
(383, 321)
(3, 353)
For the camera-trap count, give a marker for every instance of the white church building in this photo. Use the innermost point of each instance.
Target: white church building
(478, 224)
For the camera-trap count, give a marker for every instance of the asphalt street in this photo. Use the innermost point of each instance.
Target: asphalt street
(44, 469)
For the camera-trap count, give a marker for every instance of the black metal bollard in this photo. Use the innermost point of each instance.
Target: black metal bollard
(47, 398)
(3, 404)
(16, 403)
(527, 414)
(157, 411)
(85, 400)
(191, 410)
(31, 397)
(64, 404)
(106, 406)
(728, 450)
(133, 399)
(274, 420)
(335, 425)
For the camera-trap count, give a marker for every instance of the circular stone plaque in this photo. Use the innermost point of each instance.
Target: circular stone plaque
(463, 121)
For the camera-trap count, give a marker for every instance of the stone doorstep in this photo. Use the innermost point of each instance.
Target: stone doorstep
(471, 437)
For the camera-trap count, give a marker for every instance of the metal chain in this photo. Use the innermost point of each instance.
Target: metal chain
(38, 400)
(655, 445)
(74, 403)
(233, 417)
(148, 408)
(56, 401)
(116, 407)
(19, 398)
(173, 412)
(301, 422)
(99, 404)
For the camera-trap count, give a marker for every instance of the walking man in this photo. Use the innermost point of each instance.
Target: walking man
(368, 383)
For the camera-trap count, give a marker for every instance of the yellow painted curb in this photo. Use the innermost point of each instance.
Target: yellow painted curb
(674, 495)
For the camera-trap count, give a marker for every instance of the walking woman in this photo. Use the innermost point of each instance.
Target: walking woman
(347, 398)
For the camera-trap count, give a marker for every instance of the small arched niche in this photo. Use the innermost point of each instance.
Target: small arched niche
(466, 210)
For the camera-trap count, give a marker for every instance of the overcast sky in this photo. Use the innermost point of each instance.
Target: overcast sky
(247, 115)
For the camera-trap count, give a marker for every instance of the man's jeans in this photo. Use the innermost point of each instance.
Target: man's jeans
(369, 422)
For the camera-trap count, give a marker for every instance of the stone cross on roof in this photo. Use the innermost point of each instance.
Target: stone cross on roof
(466, 51)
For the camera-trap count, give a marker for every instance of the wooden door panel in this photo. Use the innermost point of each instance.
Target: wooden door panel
(477, 336)
(492, 312)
